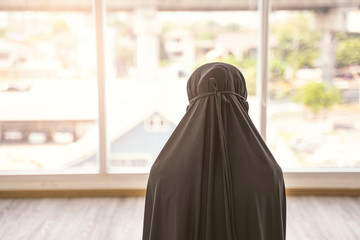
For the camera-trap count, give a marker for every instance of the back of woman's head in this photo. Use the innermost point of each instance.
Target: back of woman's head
(228, 78)
(217, 77)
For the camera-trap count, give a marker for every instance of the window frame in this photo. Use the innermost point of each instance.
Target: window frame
(104, 179)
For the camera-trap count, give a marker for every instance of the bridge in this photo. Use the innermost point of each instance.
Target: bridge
(173, 5)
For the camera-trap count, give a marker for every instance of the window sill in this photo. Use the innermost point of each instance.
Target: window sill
(297, 182)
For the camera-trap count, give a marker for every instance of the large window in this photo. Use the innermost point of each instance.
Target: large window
(91, 91)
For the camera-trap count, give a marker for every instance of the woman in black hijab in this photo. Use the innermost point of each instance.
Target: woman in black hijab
(215, 178)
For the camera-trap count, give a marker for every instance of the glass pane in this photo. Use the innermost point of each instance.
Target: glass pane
(314, 111)
(48, 92)
(152, 54)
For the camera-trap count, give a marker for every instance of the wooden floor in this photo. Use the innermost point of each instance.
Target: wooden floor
(309, 217)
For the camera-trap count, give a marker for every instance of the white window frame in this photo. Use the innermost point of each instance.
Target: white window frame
(324, 178)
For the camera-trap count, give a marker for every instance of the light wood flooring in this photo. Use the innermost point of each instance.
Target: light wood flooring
(309, 217)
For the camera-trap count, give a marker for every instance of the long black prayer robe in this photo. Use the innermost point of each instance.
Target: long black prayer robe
(215, 178)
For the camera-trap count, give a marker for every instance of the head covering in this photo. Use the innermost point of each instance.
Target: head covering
(215, 178)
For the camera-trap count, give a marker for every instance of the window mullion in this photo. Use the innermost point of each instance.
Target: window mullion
(99, 11)
(262, 64)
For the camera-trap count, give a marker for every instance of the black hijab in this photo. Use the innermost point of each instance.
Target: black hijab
(215, 178)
